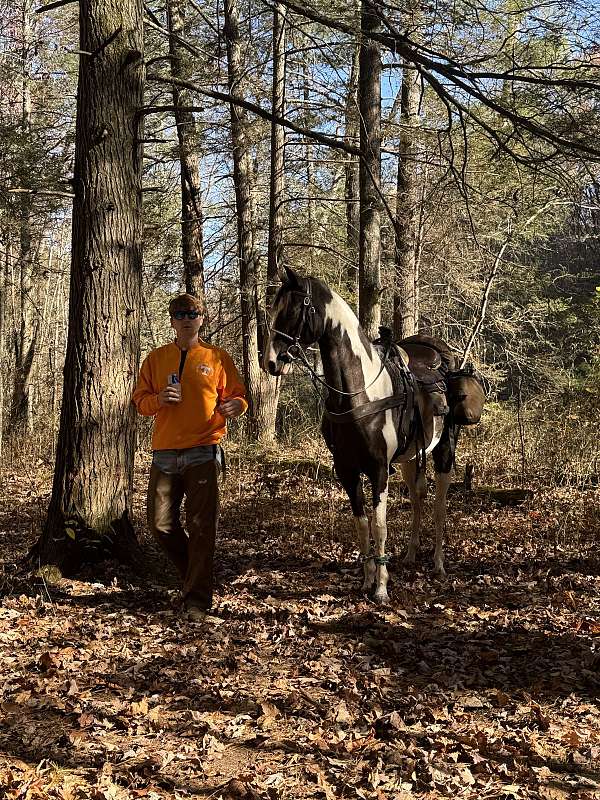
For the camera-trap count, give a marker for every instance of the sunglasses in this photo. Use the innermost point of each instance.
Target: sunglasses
(184, 314)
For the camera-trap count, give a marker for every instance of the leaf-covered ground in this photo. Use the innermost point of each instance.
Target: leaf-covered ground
(482, 686)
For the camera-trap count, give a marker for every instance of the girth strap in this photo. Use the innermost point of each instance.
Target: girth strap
(366, 409)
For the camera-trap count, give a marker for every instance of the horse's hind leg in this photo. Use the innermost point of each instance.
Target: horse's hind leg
(443, 460)
(417, 490)
(353, 486)
(442, 482)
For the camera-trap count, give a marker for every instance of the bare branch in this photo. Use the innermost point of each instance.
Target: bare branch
(50, 6)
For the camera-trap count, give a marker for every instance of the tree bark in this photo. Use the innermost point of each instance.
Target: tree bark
(276, 252)
(277, 183)
(260, 388)
(187, 136)
(89, 513)
(406, 284)
(369, 102)
(27, 325)
(3, 316)
(310, 172)
(351, 188)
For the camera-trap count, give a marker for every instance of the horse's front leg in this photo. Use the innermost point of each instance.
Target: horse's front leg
(379, 530)
(362, 529)
(352, 484)
(442, 482)
(417, 489)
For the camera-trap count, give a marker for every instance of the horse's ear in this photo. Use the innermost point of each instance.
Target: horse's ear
(291, 277)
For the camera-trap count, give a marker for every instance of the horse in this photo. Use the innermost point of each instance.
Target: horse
(377, 412)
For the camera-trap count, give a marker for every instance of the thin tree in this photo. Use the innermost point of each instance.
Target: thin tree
(275, 250)
(369, 102)
(260, 387)
(351, 182)
(406, 284)
(89, 513)
(277, 178)
(188, 140)
(27, 323)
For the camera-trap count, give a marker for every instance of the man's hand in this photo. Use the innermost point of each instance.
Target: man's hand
(230, 408)
(169, 396)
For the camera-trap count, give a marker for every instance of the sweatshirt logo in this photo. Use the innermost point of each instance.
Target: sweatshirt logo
(204, 369)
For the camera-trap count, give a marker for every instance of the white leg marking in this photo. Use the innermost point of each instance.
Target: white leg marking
(417, 489)
(442, 481)
(362, 529)
(379, 526)
(438, 429)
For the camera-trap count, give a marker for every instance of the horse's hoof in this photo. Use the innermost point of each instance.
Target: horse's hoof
(381, 597)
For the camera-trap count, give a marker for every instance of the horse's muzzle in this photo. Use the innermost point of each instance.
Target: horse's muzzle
(278, 366)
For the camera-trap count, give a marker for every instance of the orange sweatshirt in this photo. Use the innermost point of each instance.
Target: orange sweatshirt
(209, 377)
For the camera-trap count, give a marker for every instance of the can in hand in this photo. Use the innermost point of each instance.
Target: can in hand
(175, 382)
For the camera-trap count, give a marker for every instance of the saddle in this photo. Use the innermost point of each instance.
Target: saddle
(424, 362)
(430, 370)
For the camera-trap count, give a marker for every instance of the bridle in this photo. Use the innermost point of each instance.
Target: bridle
(308, 311)
(299, 354)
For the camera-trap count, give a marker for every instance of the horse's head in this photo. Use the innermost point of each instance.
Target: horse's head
(295, 323)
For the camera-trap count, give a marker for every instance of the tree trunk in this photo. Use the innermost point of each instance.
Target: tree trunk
(277, 184)
(27, 324)
(276, 254)
(89, 514)
(191, 189)
(369, 101)
(3, 315)
(310, 176)
(406, 284)
(351, 189)
(260, 387)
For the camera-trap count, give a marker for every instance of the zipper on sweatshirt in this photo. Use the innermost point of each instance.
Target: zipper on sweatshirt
(182, 362)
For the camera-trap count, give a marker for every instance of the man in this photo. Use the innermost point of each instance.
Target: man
(192, 389)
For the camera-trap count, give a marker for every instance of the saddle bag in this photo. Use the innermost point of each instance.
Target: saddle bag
(465, 396)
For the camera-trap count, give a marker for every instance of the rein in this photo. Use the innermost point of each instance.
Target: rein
(303, 360)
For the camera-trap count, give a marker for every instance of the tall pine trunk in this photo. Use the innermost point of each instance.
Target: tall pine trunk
(89, 513)
(406, 284)
(369, 102)
(187, 136)
(260, 388)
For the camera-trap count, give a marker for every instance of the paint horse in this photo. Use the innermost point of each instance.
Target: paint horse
(377, 411)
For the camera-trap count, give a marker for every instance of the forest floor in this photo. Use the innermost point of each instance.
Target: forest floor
(484, 685)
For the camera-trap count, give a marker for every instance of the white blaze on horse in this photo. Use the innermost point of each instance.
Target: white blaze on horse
(378, 411)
